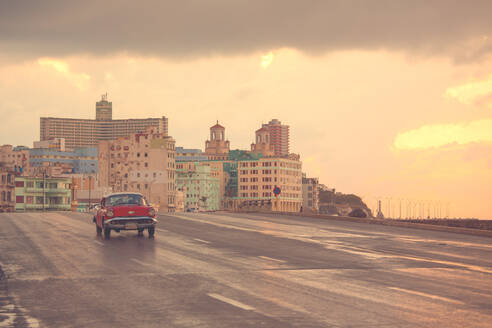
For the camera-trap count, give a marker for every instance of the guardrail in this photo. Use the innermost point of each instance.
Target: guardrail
(386, 222)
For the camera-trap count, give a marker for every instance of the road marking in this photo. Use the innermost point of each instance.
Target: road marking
(445, 299)
(99, 243)
(162, 230)
(140, 262)
(271, 259)
(231, 302)
(201, 240)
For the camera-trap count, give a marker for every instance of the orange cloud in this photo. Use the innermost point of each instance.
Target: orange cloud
(79, 80)
(438, 135)
(470, 92)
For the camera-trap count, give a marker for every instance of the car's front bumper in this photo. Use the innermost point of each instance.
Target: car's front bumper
(130, 223)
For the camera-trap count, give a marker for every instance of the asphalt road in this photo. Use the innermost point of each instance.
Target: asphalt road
(240, 270)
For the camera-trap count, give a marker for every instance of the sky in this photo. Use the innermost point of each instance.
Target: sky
(389, 100)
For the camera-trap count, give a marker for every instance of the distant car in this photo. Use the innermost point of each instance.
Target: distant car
(125, 211)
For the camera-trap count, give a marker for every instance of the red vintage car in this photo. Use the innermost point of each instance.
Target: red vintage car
(125, 211)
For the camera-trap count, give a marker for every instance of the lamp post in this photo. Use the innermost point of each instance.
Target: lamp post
(90, 178)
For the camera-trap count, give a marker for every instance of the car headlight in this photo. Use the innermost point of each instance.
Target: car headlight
(109, 213)
(151, 212)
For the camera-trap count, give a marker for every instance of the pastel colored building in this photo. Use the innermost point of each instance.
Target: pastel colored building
(310, 195)
(184, 154)
(7, 189)
(257, 180)
(79, 160)
(42, 193)
(54, 144)
(200, 186)
(88, 133)
(14, 157)
(141, 162)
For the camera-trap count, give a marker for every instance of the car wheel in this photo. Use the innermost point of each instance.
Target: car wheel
(151, 232)
(107, 233)
(98, 230)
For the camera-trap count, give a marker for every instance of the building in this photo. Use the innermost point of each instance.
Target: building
(257, 179)
(53, 144)
(183, 154)
(201, 187)
(217, 148)
(141, 162)
(78, 160)
(7, 189)
(88, 133)
(279, 137)
(310, 196)
(15, 157)
(217, 171)
(42, 193)
(262, 145)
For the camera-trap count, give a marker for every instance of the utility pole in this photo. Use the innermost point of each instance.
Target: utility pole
(44, 188)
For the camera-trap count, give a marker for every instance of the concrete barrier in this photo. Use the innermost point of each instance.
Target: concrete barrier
(387, 222)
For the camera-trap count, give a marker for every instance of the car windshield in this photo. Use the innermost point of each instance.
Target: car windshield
(125, 199)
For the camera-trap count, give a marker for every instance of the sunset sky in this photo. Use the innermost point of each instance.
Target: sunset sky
(383, 98)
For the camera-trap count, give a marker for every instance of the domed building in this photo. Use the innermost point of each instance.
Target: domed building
(217, 148)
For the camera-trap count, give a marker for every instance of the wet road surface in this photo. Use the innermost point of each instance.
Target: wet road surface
(240, 270)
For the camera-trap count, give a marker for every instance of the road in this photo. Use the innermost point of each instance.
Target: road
(240, 270)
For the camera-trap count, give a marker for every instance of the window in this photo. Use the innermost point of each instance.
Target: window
(146, 164)
(29, 199)
(146, 155)
(53, 185)
(4, 196)
(19, 183)
(19, 199)
(9, 196)
(39, 199)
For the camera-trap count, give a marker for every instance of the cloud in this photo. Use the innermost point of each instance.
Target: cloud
(190, 28)
(267, 59)
(79, 80)
(470, 93)
(438, 135)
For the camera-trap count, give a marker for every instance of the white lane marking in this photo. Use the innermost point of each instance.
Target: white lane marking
(231, 302)
(201, 240)
(99, 243)
(162, 230)
(445, 299)
(271, 259)
(140, 262)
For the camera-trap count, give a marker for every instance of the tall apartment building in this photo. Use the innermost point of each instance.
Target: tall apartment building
(279, 137)
(141, 162)
(88, 133)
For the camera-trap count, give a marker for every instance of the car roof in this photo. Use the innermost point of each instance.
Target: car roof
(124, 193)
